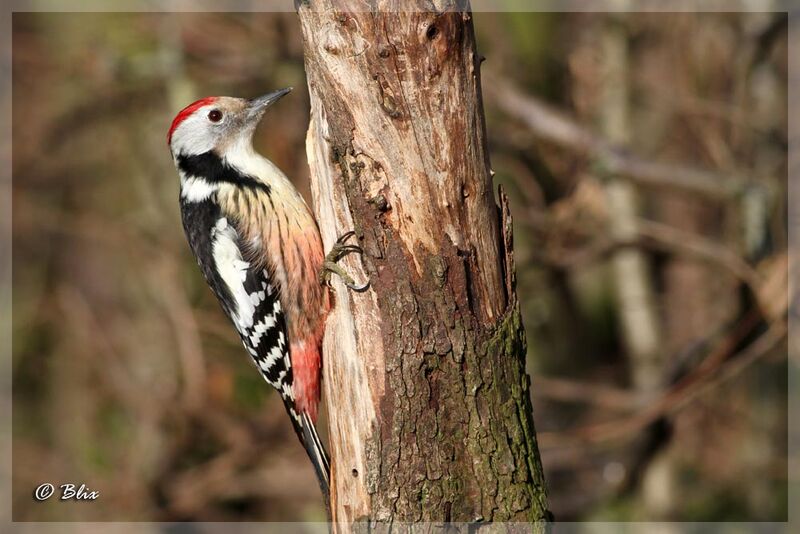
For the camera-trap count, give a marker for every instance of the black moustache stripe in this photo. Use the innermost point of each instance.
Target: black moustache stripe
(211, 168)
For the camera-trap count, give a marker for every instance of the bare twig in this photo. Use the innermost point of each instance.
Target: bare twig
(711, 372)
(672, 239)
(651, 235)
(187, 333)
(567, 390)
(557, 128)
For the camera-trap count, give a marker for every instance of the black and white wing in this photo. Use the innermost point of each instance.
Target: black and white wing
(250, 299)
(246, 293)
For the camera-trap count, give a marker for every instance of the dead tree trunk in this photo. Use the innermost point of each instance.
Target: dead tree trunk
(428, 401)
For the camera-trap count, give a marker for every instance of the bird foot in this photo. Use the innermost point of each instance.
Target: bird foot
(339, 250)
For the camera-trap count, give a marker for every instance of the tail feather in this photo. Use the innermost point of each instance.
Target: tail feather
(317, 454)
(307, 432)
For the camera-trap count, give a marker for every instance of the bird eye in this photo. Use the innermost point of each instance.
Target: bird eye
(215, 115)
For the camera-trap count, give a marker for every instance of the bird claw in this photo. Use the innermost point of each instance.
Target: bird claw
(339, 250)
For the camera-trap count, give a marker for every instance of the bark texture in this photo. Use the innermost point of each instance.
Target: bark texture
(429, 407)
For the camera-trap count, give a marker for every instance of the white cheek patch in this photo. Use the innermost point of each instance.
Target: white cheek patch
(233, 271)
(195, 135)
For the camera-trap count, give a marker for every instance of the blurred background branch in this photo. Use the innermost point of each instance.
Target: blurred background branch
(608, 157)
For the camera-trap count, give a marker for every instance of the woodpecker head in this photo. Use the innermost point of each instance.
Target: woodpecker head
(218, 123)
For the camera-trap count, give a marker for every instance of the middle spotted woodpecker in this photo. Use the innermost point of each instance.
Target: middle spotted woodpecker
(260, 251)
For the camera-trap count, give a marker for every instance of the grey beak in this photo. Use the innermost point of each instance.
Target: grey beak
(257, 106)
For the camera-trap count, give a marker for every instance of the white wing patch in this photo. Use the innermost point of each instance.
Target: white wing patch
(233, 271)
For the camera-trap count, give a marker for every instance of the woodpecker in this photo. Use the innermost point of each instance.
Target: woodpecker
(259, 248)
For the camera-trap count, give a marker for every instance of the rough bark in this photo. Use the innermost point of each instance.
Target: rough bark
(429, 407)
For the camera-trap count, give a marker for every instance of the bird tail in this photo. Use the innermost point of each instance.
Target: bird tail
(307, 433)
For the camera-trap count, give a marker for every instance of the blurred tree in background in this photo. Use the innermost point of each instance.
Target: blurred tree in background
(645, 158)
